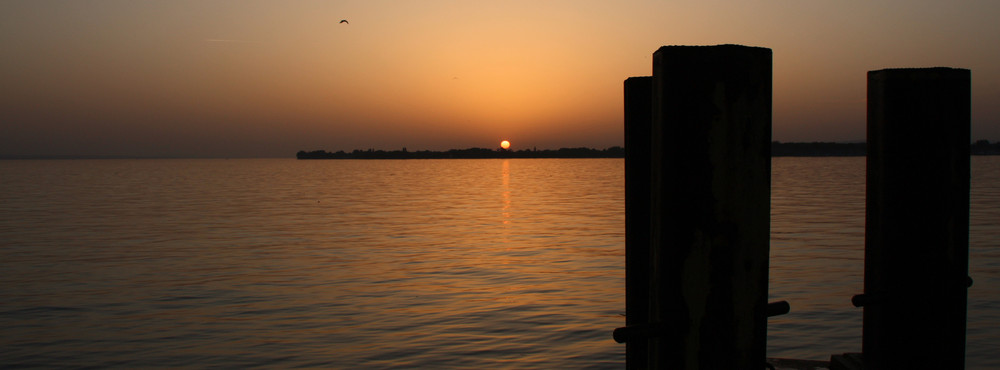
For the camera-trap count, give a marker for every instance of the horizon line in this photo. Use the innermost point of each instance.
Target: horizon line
(181, 156)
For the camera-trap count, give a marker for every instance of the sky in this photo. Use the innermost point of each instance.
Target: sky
(251, 78)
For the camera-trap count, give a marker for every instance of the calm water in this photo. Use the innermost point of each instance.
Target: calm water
(435, 263)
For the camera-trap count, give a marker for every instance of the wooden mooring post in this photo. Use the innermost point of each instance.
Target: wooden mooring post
(638, 123)
(917, 224)
(709, 196)
(711, 186)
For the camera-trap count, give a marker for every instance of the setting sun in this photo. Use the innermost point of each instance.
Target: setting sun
(505, 144)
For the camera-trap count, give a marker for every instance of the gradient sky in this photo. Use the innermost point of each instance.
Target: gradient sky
(268, 78)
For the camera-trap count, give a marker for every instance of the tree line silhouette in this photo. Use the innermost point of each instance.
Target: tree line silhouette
(778, 149)
(470, 153)
(826, 149)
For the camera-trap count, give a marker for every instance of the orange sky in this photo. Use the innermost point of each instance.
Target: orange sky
(269, 78)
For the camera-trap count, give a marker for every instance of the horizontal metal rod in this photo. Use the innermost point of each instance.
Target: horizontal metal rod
(860, 300)
(652, 330)
(778, 308)
(638, 332)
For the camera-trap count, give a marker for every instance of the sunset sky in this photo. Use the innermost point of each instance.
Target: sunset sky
(212, 78)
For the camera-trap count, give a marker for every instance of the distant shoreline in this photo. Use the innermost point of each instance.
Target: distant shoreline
(471, 153)
(778, 149)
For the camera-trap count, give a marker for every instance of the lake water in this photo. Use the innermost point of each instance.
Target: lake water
(425, 263)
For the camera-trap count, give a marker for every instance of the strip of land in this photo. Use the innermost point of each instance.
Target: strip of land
(471, 153)
(778, 149)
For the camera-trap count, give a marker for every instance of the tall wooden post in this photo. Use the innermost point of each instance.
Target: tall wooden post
(917, 225)
(711, 175)
(638, 122)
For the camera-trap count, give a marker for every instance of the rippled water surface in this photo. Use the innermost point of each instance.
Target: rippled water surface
(423, 263)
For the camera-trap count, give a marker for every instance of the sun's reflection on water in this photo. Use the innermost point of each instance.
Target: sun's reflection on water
(506, 192)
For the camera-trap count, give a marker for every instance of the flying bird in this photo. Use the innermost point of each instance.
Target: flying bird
(344, 21)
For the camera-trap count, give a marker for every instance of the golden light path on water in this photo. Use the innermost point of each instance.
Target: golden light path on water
(436, 263)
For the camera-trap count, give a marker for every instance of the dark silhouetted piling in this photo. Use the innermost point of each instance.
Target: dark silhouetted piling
(917, 225)
(711, 172)
(638, 122)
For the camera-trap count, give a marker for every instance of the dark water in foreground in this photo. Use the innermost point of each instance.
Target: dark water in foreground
(425, 263)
